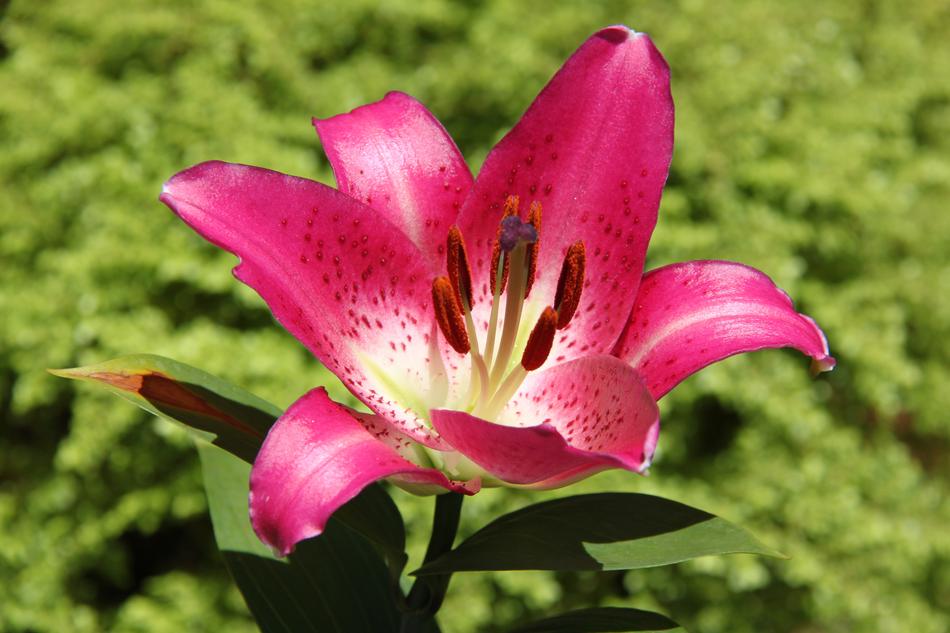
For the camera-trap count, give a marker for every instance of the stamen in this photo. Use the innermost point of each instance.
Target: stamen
(498, 279)
(479, 368)
(460, 277)
(534, 219)
(511, 209)
(540, 341)
(460, 273)
(570, 284)
(448, 314)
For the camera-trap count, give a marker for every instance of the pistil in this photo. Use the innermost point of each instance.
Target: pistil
(515, 238)
(513, 267)
(500, 266)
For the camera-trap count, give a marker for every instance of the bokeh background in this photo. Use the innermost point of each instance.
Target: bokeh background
(812, 141)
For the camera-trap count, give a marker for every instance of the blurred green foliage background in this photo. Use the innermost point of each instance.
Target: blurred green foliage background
(813, 142)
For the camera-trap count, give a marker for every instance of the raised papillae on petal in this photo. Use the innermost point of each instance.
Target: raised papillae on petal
(691, 314)
(395, 156)
(342, 279)
(594, 149)
(318, 456)
(564, 423)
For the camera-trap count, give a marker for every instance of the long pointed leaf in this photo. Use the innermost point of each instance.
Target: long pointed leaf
(601, 620)
(605, 531)
(226, 415)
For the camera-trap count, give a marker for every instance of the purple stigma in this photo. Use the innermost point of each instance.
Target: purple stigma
(514, 231)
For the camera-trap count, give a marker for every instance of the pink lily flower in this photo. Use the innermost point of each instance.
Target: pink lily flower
(501, 329)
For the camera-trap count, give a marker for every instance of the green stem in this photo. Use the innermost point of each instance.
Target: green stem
(427, 592)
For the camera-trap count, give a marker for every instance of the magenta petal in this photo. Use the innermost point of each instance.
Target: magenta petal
(317, 457)
(691, 314)
(395, 156)
(594, 148)
(346, 282)
(564, 423)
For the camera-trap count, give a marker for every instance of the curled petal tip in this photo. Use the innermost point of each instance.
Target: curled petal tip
(692, 314)
(823, 364)
(618, 33)
(649, 447)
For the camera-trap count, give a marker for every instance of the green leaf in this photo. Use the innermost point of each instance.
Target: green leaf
(237, 421)
(333, 583)
(597, 532)
(226, 415)
(374, 515)
(600, 620)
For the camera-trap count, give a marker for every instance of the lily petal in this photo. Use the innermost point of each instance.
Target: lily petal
(395, 156)
(691, 314)
(565, 422)
(594, 148)
(316, 457)
(346, 282)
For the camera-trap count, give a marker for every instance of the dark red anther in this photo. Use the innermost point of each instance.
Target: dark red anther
(534, 219)
(448, 314)
(570, 284)
(460, 273)
(541, 340)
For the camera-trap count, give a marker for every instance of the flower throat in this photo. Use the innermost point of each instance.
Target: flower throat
(513, 266)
